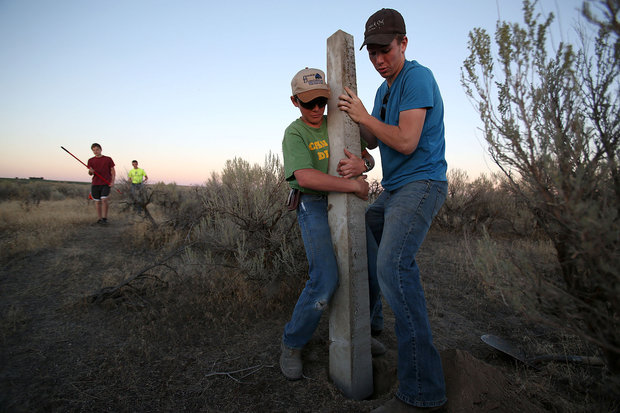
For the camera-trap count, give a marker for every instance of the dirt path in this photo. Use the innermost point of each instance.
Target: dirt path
(60, 353)
(47, 328)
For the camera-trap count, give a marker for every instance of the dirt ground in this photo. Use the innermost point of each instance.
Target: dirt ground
(61, 353)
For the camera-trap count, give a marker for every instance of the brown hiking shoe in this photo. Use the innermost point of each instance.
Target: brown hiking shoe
(290, 363)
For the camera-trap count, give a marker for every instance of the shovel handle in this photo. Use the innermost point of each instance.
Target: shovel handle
(78, 159)
(592, 361)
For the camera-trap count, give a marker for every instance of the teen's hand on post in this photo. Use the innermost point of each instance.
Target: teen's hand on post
(351, 104)
(363, 187)
(351, 165)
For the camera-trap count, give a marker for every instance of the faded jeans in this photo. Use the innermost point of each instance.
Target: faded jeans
(322, 270)
(323, 273)
(397, 223)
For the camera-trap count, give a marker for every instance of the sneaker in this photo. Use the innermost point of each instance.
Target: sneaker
(105, 220)
(376, 347)
(290, 363)
(395, 405)
(100, 221)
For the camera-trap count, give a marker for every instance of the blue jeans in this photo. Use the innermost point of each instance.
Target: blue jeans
(397, 223)
(322, 269)
(323, 273)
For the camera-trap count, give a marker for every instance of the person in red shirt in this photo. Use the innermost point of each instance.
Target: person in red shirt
(102, 170)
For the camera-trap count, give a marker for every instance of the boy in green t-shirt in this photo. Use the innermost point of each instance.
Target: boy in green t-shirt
(306, 155)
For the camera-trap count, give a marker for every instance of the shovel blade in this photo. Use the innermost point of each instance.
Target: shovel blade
(505, 347)
(516, 353)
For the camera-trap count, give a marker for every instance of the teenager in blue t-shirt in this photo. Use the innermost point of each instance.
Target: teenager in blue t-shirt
(407, 125)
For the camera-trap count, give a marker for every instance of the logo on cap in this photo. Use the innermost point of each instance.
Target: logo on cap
(375, 25)
(317, 79)
(383, 26)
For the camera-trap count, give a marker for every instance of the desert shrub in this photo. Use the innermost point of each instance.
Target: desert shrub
(32, 192)
(246, 230)
(71, 190)
(374, 191)
(9, 189)
(171, 211)
(242, 237)
(56, 195)
(137, 200)
(468, 206)
(551, 121)
(486, 204)
(181, 206)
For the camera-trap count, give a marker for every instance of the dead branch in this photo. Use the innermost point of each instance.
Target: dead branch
(251, 370)
(109, 292)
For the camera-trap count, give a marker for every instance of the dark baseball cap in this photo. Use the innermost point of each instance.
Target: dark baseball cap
(382, 27)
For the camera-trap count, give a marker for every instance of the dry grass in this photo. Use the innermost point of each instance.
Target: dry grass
(167, 346)
(512, 269)
(29, 229)
(515, 273)
(144, 235)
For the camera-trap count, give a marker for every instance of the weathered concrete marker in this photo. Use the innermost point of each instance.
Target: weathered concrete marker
(350, 362)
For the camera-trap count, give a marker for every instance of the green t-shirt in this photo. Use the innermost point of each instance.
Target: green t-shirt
(305, 147)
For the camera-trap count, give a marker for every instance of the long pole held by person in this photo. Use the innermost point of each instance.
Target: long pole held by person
(105, 180)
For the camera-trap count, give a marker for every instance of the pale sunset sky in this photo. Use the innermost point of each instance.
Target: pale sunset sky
(182, 86)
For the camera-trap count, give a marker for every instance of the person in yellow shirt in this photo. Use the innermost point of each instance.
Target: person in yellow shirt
(137, 176)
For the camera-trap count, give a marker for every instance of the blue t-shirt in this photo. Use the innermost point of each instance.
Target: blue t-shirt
(414, 87)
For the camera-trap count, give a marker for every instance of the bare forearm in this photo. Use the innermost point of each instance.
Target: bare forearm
(403, 137)
(370, 139)
(391, 135)
(319, 181)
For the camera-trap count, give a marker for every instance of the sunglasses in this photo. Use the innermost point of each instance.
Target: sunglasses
(384, 105)
(320, 102)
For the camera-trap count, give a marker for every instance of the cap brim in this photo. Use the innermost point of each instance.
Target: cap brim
(379, 39)
(309, 95)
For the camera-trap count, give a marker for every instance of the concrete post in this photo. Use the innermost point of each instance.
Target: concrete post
(350, 361)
